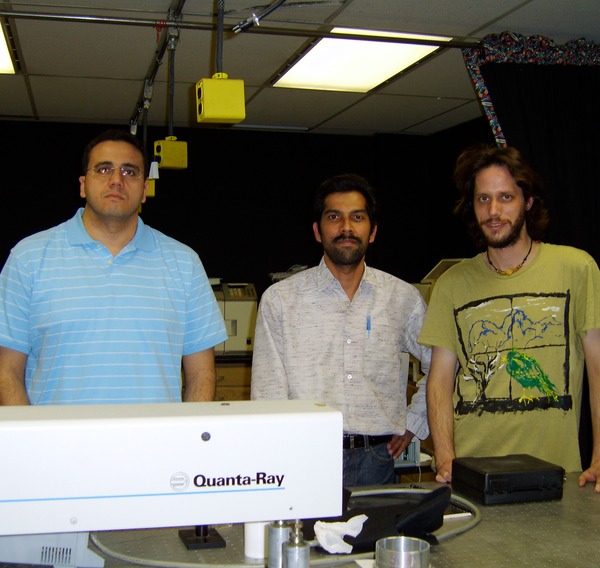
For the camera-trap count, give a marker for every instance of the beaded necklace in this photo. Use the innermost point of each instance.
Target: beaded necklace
(510, 271)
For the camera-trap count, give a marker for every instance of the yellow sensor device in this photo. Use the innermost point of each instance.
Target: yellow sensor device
(220, 100)
(171, 153)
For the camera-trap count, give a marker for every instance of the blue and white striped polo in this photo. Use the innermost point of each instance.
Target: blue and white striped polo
(104, 329)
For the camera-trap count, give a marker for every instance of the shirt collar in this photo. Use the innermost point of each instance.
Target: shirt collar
(77, 235)
(325, 278)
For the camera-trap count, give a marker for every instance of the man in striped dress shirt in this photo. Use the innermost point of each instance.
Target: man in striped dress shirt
(103, 308)
(336, 332)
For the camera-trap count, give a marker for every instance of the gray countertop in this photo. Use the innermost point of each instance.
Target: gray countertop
(562, 533)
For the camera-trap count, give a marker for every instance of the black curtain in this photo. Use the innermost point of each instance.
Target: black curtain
(547, 108)
(550, 113)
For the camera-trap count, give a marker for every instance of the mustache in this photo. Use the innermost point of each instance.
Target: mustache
(346, 238)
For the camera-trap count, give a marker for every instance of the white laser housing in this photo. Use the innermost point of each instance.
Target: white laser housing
(110, 467)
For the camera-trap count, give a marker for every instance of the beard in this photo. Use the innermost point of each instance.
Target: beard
(345, 256)
(508, 240)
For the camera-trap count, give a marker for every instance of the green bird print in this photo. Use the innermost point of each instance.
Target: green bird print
(529, 374)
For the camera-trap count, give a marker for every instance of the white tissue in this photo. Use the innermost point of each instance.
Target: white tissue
(331, 535)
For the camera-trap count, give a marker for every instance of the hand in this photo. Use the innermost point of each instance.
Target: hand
(398, 443)
(443, 471)
(591, 475)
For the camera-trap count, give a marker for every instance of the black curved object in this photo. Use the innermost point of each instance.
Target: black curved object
(409, 514)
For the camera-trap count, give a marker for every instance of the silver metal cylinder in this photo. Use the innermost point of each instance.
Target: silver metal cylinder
(296, 555)
(296, 551)
(278, 534)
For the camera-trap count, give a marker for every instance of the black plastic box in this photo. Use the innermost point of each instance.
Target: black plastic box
(515, 478)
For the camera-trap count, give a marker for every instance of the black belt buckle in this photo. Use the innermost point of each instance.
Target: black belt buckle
(348, 442)
(354, 441)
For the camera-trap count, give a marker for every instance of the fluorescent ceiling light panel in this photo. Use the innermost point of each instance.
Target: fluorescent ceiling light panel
(355, 65)
(6, 64)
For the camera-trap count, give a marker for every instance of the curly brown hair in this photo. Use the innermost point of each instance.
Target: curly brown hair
(476, 158)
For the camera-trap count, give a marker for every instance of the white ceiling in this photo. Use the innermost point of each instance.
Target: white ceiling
(92, 65)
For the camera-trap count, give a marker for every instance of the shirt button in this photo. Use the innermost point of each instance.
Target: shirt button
(348, 340)
(349, 377)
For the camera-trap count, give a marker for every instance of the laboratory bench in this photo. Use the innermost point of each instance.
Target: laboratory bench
(233, 376)
(563, 533)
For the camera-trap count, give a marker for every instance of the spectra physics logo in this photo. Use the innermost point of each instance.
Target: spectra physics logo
(180, 481)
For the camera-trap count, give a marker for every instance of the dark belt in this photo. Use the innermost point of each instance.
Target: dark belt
(352, 441)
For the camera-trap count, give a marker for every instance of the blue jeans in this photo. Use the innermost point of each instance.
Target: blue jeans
(371, 465)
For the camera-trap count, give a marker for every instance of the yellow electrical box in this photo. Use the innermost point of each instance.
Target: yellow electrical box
(151, 192)
(220, 100)
(171, 153)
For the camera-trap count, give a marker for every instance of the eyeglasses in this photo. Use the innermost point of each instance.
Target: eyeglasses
(107, 170)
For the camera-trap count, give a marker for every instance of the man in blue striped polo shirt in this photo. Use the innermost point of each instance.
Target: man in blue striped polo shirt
(103, 308)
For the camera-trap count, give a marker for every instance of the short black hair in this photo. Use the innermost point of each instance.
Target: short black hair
(345, 183)
(114, 135)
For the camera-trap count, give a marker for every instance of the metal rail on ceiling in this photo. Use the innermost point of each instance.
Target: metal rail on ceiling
(174, 21)
(265, 30)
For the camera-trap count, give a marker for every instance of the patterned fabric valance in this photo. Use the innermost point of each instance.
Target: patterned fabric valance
(509, 47)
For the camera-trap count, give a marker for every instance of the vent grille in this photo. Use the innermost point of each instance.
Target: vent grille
(55, 555)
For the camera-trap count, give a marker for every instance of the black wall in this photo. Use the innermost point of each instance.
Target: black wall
(244, 202)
